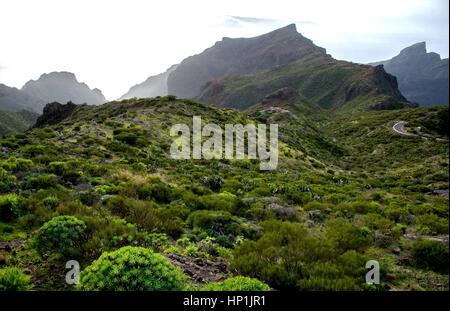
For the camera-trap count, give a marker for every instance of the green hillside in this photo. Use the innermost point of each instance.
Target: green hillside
(347, 189)
(16, 122)
(318, 79)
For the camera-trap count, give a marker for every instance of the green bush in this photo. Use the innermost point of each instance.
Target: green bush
(132, 269)
(219, 224)
(44, 181)
(10, 206)
(277, 256)
(13, 279)
(237, 283)
(158, 191)
(431, 254)
(139, 212)
(51, 202)
(344, 274)
(346, 236)
(109, 233)
(61, 234)
(14, 164)
(7, 180)
(223, 201)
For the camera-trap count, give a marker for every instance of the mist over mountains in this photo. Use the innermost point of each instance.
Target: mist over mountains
(241, 72)
(55, 86)
(152, 87)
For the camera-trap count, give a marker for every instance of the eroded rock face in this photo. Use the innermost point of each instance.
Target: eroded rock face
(55, 113)
(423, 76)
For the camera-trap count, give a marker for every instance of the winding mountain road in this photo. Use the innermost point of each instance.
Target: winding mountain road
(399, 127)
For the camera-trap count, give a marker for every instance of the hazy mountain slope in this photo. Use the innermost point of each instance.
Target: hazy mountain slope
(16, 122)
(422, 77)
(152, 87)
(13, 99)
(62, 87)
(239, 56)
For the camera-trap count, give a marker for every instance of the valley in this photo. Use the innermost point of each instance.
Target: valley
(94, 181)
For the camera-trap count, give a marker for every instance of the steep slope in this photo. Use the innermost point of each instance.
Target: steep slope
(318, 79)
(62, 87)
(108, 168)
(240, 56)
(422, 77)
(16, 122)
(152, 87)
(12, 99)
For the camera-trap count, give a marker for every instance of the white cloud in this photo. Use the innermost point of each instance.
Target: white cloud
(113, 44)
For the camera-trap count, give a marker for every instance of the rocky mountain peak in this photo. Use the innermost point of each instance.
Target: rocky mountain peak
(62, 86)
(419, 48)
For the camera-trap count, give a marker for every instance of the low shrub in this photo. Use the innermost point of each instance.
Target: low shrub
(431, 254)
(237, 283)
(10, 206)
(13, 279)
(132, 269)
(61, 234)
(44, 181)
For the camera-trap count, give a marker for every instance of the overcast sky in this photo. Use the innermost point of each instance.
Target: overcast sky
(114, 44)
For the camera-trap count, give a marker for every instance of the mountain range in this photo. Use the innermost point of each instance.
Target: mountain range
(55, 86)
(244, 73)
(422, 77)
(360, 175)
(241, 72)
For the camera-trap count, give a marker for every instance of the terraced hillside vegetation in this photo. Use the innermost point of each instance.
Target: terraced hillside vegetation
(99, 187)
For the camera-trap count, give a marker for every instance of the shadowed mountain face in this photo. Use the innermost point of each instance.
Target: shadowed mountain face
(422, 77)
(240, 73)
(62, 87)
(13, 100)
(152, 87)
(315, 76)
(240, 56)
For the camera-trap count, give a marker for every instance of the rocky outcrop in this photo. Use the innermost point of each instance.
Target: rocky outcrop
(283, 95)
(422, 77)
(200, 269)
(55, 113)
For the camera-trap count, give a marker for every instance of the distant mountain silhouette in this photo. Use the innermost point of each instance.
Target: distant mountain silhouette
(422, 77)
(62, 87)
